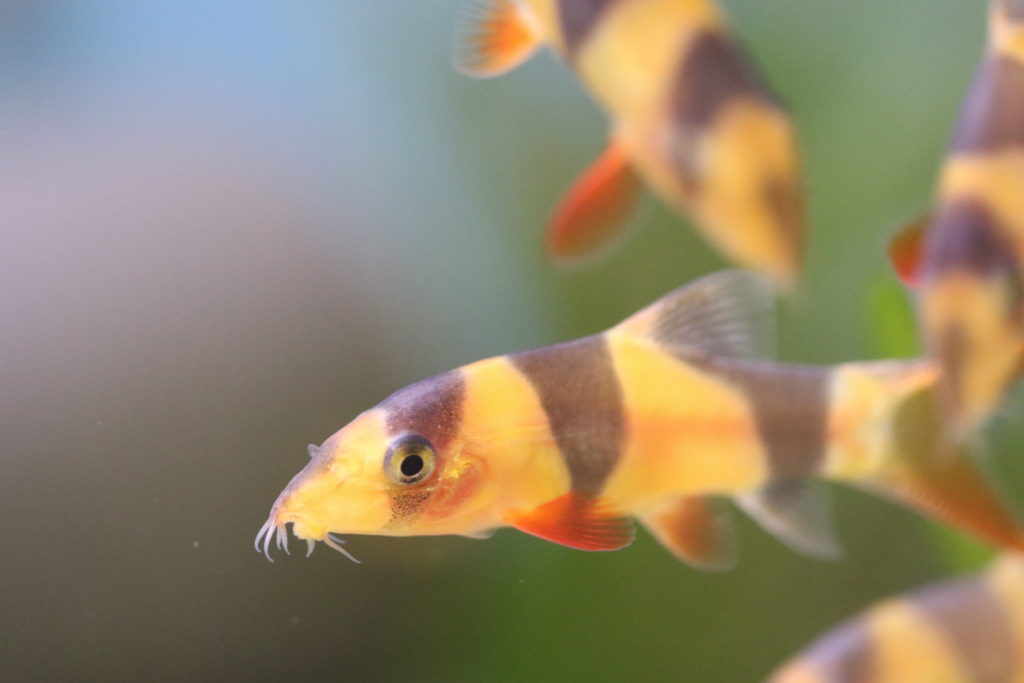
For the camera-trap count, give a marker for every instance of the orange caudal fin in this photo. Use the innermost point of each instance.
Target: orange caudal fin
(956, 493)
(595, 208)
(493, 37)
(929, 473)
(905, 250)
(576, 520)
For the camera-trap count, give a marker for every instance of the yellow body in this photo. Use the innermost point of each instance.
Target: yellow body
(971, 303)
(689, 433)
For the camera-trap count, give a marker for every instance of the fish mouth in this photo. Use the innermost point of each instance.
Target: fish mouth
(275, 532)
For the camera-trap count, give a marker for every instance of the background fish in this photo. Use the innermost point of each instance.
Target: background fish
(963, 631)
(690, 117)
(968, 263)
(661, 419)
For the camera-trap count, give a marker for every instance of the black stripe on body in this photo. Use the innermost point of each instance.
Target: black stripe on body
(976, 625)
(789, 404)
(1014, 9)
(433, 409)
(713, 71)
(993, 112)
(578, 19)
(580, 393)
(965, 236)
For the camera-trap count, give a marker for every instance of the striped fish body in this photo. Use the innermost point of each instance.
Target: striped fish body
(971, 299)
(622, 418)
(964, 631)
(661, 419)
(690, 116)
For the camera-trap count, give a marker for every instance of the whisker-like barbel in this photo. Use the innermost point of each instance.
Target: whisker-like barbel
(263, 538)
(335, 543)
(282, 539)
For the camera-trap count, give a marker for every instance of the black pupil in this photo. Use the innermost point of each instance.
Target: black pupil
(412, 465)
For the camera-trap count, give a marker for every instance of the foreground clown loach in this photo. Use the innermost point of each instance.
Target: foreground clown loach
(661, 418)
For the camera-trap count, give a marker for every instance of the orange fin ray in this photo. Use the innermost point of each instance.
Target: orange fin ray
(595, 209)
(696, 529)
(576, 520)
(905, 249)
(493, 37)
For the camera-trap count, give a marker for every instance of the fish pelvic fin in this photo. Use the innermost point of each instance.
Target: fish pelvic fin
(577, 520)
(726, 314)
(493, 37)
(594, 211)
(696, 529)
(935, 475)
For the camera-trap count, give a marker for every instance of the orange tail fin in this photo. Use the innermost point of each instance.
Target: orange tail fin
(956, 493)
(926, 472)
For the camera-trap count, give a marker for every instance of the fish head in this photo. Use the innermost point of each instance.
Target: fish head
(400, 469)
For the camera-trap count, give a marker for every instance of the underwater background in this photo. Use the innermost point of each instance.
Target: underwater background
(227, 228)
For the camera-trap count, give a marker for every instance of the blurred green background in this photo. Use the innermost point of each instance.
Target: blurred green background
(229, 227)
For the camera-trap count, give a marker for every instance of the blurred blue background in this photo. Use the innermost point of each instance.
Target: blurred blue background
(226, 228)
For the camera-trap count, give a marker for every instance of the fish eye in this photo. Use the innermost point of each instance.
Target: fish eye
(409, 460)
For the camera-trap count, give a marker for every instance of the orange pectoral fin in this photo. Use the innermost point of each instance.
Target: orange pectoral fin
(595, 208)
(905, 250)
(576, 520)
(493, 37)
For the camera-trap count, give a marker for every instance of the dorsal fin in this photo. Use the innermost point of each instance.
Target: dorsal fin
(729, 313)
